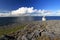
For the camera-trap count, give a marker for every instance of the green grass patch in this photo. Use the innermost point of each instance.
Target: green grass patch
(9, 30)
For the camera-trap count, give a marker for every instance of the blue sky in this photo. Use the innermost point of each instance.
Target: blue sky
(10, 5)
(38, 4)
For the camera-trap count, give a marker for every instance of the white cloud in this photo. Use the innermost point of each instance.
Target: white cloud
(22, 10)
(4, 14)
(30, 11)
(25, 11)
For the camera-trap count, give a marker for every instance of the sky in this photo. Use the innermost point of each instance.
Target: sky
(30, 7)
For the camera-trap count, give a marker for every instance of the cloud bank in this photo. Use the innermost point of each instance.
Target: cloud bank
(29, 11)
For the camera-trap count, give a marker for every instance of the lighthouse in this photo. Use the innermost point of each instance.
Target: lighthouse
(43, 18)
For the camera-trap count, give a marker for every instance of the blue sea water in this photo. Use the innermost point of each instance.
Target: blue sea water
(47, 18)
(53, 17)
(10, 20)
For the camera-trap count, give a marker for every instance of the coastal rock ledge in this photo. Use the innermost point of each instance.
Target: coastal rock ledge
(37, 30)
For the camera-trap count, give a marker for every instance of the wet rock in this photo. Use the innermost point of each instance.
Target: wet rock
(7, 37)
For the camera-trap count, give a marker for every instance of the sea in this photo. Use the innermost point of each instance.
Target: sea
(10, 20)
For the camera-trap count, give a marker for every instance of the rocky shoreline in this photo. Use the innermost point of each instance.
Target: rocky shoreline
(38, 30)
